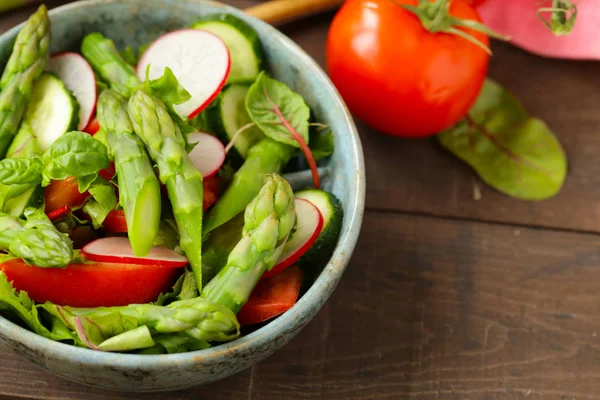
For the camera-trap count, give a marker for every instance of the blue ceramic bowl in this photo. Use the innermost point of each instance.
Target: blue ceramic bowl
(136, 22)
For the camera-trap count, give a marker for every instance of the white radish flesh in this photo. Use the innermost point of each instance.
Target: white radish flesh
(78, 77)
(308, 228)
(199, 59)
(208, 155)
(118, 250)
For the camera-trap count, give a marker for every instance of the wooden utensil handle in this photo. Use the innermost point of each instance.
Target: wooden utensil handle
(280, 11)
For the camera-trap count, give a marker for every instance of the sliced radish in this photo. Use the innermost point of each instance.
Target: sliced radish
(79, 78)
(308, 228)
(58, 213)
(199, 59)
(208, 155)
(118, 250)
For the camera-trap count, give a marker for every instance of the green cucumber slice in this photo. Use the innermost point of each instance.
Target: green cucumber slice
(242, 41)
(52, 110)
(229, 115)
(331, 210)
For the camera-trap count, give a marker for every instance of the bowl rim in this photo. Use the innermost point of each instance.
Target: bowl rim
(319, 291)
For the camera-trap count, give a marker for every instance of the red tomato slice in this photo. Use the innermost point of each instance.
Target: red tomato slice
(272, 296)
(58, 213)
(109, 172)
(115, 222)
(63, 193)
(93, 127)
(211, 191)
(91, 285)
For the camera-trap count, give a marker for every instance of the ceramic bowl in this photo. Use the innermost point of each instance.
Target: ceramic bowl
(136, 22)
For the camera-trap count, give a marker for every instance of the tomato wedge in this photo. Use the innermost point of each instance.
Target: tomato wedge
(93, 127)
(109, 172)
(115, 222)
(272, 296)
(91, 285)
(63, 193)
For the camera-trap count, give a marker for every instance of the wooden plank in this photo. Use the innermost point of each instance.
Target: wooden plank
(441, 308)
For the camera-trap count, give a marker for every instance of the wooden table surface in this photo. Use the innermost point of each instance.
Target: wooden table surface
(446, 296)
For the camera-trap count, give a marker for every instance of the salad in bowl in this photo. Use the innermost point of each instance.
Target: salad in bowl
(161, 199)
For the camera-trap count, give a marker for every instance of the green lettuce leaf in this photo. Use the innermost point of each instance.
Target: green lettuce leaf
(278, 111)
(18, 307)
(189, 287)
(167, 88)
(512, 152)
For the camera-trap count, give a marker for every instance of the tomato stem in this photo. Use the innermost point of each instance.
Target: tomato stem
(563, 15)
(435, 17)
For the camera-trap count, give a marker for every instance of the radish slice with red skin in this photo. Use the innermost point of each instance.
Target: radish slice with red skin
(208, 155)
(308, 228)
(78, 77)
(118, 250)
(199, 59)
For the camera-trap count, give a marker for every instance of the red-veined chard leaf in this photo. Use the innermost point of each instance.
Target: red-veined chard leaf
(282, 115)
(512, 152)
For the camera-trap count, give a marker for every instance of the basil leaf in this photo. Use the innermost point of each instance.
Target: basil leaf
(102, 201)
(84, 182)
(512, 152)
(277, 110)
(21, 171)
(74, 154)
(321, 144)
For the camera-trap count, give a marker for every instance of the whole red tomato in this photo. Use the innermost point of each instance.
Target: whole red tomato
(398, 77)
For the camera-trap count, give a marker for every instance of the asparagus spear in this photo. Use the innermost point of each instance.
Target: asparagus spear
(268, 220)
(139, 190)
(26, 63)
(114, 328)
(166, 146)
(266, 157)
(106, 60)
(36, 240)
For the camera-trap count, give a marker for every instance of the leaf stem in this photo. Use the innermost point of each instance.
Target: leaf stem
(237, 134)
(319, 125)
(298, 137)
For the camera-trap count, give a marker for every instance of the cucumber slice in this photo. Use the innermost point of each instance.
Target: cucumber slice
(331, 210)
(52, 110)
(243, 44)
(229, 115)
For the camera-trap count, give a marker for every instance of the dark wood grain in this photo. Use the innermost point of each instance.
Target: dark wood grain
(451, 310)
(446, 297)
